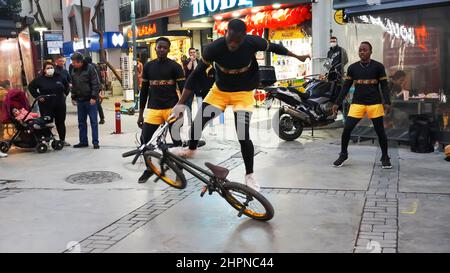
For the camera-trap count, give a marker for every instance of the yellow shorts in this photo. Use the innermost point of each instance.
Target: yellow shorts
(157, 116)
(241, 100)
(372, 111)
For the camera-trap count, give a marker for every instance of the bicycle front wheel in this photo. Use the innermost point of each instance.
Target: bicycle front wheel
(167, 172)
(248, 201)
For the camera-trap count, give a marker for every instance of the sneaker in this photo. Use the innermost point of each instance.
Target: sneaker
(386, 163)
(66, 144)
(102, 121)
(183, 152)
(96, 146)
(145, 176)
(340, 161)
(80, 145)
(201, 143)
(2, 155)
(250, 182)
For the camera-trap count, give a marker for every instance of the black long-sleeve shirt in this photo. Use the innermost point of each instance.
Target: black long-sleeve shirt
(43, 85)
(235, 70)
(368, 78)
(159, 84)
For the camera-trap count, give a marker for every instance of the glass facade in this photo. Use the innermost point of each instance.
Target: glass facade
(414, 46)
(141, 9)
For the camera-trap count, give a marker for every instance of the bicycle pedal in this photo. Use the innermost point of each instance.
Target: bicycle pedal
(241, 211)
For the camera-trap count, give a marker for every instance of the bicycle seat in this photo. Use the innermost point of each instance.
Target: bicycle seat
(218, 171)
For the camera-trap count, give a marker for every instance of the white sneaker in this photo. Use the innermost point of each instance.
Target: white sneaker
(251, 182)
(183, 152)
(2, 155)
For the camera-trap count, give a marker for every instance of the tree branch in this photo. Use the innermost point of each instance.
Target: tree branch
(102, 48)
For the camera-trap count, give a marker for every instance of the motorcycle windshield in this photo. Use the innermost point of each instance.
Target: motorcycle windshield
(321, 89)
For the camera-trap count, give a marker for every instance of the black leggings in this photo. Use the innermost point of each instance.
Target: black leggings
(149, 129)
(56, 109)
(241, 123)
(378, 125)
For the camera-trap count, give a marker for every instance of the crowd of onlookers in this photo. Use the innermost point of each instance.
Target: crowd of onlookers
(85, 84)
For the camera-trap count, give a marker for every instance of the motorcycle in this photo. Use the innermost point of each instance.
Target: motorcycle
(313, 108)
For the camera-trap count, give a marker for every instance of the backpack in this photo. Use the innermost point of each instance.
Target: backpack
(421, 134)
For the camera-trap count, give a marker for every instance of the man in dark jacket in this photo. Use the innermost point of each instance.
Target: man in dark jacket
(88, 59)
(60, 61)
(85, 94)
(339, 58)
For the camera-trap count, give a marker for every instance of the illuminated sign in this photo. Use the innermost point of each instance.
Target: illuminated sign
(392, 28)
(110, 40)
(200, 7)
(117, 40)
(195, 9)
(142, 31)
(53, 36)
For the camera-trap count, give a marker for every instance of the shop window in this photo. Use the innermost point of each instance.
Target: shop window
(141, 9)
(412, 43)
(415, 42)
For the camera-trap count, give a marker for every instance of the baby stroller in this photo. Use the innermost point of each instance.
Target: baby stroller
(29, 134)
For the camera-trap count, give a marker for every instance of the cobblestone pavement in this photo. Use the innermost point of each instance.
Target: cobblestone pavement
(358, 208)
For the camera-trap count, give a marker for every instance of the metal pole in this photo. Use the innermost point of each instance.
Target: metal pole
(86, 51)
(41, 34)
(135, 76)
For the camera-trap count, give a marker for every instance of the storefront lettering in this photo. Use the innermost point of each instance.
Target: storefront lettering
(144, 30)
(394, 29)
(201, 6)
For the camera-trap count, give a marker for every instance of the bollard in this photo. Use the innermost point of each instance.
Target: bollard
(118, 118)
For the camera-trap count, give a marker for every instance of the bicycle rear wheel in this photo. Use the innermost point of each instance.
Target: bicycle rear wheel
(170, 174)
(248, 201)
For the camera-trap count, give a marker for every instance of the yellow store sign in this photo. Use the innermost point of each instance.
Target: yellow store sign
(287, 33)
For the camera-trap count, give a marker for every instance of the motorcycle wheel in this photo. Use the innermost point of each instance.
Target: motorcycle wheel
(286, 126)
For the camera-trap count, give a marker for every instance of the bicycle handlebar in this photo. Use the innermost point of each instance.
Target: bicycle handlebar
(138, 152)
(130, 153)
(136, 157)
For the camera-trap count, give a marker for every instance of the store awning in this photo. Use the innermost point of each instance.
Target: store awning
(368, 6)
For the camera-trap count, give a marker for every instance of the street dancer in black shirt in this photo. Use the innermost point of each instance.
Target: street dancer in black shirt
(368, 76)
(159, 89)
(237, 75)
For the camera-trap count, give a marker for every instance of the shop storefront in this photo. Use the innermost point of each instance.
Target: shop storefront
(148, 32)
(282, 22)
(411, 39)
(18, 56)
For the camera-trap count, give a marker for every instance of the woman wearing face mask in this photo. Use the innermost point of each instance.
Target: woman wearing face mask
(51, 83)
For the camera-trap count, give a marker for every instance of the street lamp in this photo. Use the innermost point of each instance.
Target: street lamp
(41, 30)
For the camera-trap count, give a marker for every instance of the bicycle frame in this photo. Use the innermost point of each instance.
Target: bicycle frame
(196, 171)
